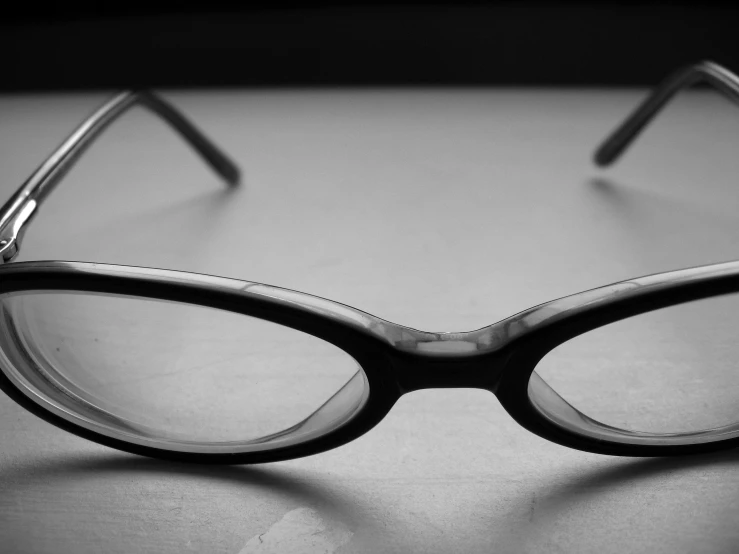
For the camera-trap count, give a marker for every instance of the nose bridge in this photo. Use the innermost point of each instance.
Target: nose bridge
(420, 370)
(467, 359)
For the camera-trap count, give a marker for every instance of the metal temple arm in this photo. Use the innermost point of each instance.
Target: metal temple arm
(18, 211)
(715, 75)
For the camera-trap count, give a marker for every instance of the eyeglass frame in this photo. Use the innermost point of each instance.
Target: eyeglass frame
(394, 359)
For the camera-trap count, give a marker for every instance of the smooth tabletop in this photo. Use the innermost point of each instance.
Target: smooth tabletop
(440, 209)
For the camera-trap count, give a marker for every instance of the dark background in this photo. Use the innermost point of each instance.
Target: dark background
(360, 43)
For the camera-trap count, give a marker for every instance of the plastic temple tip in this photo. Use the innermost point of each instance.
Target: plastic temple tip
(624, 135)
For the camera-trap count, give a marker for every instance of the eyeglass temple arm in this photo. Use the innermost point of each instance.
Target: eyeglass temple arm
(18, 211)
(715, 75)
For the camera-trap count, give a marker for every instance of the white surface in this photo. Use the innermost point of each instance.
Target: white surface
(442, 210)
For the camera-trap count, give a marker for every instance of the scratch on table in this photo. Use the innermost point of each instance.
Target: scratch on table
(299, 531)
(532, 507)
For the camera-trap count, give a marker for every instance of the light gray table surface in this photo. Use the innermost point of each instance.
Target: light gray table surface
(443, 210)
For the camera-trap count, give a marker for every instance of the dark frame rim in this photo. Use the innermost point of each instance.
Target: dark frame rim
(499, 358)
(192, 289)
(577, 314)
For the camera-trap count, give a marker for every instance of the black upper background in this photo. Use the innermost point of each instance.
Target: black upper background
(359, 43)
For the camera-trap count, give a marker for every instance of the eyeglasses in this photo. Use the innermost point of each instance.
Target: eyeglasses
(207, 369)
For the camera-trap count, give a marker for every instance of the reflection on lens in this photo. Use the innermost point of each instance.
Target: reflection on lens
(669, 371)
(141, 368)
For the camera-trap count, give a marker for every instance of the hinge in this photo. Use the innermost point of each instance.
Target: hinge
(12, 233)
